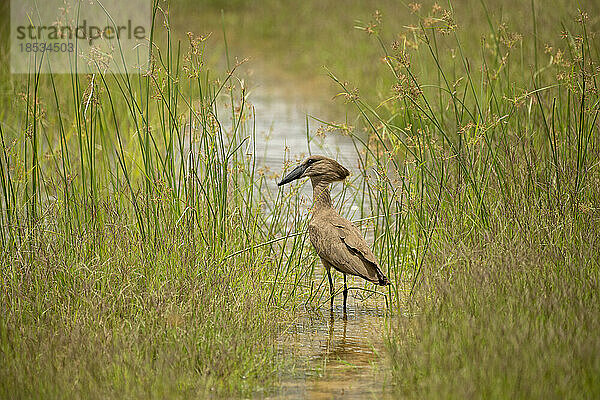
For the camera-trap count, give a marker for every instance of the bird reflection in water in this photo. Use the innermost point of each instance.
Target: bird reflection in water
(348, 357)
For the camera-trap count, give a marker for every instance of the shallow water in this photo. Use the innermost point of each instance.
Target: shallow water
(339, 355)
(281, 128)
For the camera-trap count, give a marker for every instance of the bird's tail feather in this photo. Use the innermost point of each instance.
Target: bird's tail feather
(383, 280)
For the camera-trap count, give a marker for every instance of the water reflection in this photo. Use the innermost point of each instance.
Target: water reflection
(341, 353)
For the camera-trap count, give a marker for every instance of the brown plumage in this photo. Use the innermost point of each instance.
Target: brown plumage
(337, 241)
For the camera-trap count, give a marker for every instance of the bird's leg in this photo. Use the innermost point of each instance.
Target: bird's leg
(345, 293)
(330, 286)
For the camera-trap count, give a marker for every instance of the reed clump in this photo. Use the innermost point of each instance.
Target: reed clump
(133, 260)
(487, 184)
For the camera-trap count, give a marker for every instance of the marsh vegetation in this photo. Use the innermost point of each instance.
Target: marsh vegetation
(147, 251)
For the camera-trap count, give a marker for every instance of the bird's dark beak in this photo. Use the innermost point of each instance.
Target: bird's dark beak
(295, 174)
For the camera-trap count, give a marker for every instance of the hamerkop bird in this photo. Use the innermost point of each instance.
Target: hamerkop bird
(339, 243)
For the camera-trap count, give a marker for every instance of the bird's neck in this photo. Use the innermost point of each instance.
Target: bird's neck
(321, 195)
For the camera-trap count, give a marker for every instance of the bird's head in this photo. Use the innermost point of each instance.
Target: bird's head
(318, 168)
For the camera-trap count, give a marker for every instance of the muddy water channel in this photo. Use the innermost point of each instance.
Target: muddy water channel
(337, 354)
(281, 128)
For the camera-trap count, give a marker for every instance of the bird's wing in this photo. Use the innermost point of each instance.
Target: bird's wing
(353, 239)
(340, 243)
